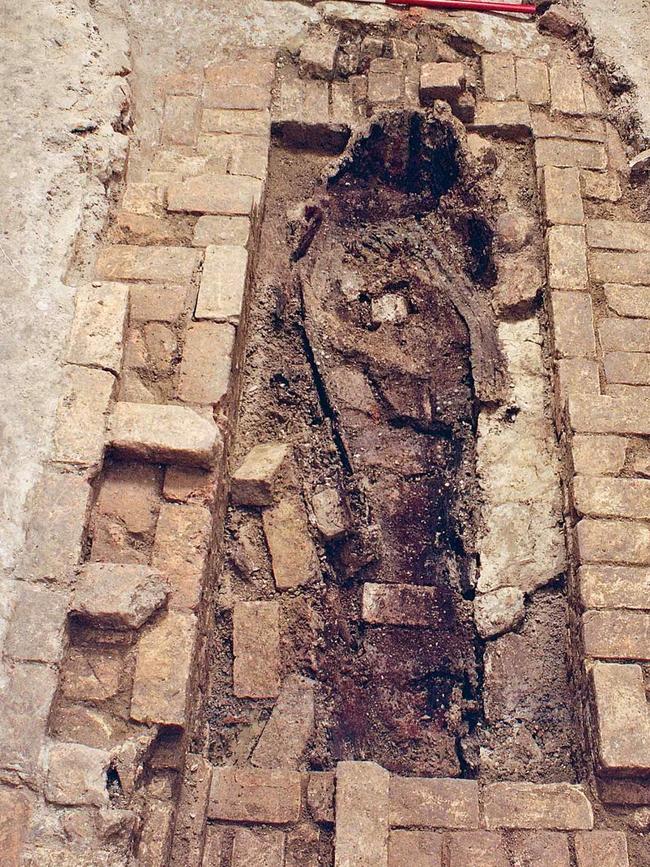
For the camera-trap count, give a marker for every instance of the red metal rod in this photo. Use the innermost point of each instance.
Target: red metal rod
(475, 5)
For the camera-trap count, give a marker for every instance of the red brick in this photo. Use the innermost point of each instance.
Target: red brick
(441, 81)
(628, 300)
(256, 648)
(618, 235)
(257, 848)
(600, 186)
(598, 455)
(604, 414)
(632, 368)
(433, 803)
(625, 335)
(236, 96)
(566, 89)
(236, 122)
(361, 815)
(180, 550)
(541, 849)
(401, 605)
(293, 556)
(562, 196)
(223, 284)
(258, 796)
(561, 152)
(15, 812)
(505, 119)
(215, 194)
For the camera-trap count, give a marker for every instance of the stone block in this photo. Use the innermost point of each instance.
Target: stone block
(572, 321)
(628, 300)
(293, 556)
(600, 186)
(567, 257)
(478, 848)
(97, 332)
(532, 81)
(433, 803)
(180, 550)
(320, 796)
(632, 368)
(25, 694)
(318, 54)
(37, 625)
(256, 648)
(362, 808)
(414, 849)
(236, 96)
(156, 303)
(330, 514)
(163, 669)
(612, 498)
(401, 605)
(625, 335)
(180, 120)
(257, 848)
(499, 611)
(164, 434)
(610, 415)
(618, 235)
(80, 432)
(248, 156)
(622, 718)
(601, 849)
(90, 674)
(118, 595)
(232, 231)
(269, 797)
(598, 455)
(190, 824)
(563, 152)
(252, 70)
(441, 81)
(510, 120)
(385, 89)
(236, 121)
(289, 728)
(223, 284)
(562, 196)
(205, 372)
(544, 806)
(617, 634)
(15, 813)
(614, 586)
(228, 195)
(541, 849)
(155, 264)
(611, 541)
(566, 89)
(254, 482)
(76, 775)
(499, 76)
(612, 266)
(575, 376)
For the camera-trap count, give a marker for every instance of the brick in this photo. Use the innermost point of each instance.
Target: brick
(156, 832)
(618, 235)
(504, 119)
(180, 120)
(605, 414)
(622, 718)
(249, 156)
(145, 199)
(401, 605)
(617, 634)
(320, 796)
(561, 195)
(573, 324)
(271, 797)
(344, 109)
(532, 81)
(576, 376)
(256, 648)
(80, 432)
(561, 152)
(186, 81)
(625, 335)
(610, 541)
(499, 76)
(330, 514)
(301, 117)
(362, 805)
(215, 846)
(223, 284)
(180, 550)
(385, 89)
(183, 484)
(293, 556)
(601, 849)
(15, 813)
(233, 231)
(83, 724)
(441, 81)
(253, 71)
(118, 595)
(157, 264)
(164, 434)
(598, 455)
(236, 122)
(628, 300)
(632, 368)
(567, 257)
(25, 694)
(547, 806)
(585, 129)
(236, 96)
(142, 229)
(414, 849)
(601, 187)
(289, 728)
(190, 823)
(162, 670)
(566, 89)
(205, 372)
(97, 332)
(90, 674)
(607, 266)
(614, 586)
(318, 54)
(478, 848)
(257, 848)
(541, 849)
(36, 627)
(433, 803)
(155, 303)
(215, 194)
(613, 498)
(254, 482)
(76, 775)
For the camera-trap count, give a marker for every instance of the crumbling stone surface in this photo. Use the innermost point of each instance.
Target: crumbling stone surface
(118, 595)
(499, 611)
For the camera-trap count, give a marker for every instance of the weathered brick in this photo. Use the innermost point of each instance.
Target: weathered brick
(499, 76)
(236, 96)
(223, 284)
(289, 728)
(256, 648)
(253, 795)
(83, 724)
(622, 718)
(600, 186)
(157, 264)
(478, 848)
(605, 414)
(180, 120)
(576, 376)
(625, 335)
(25, 694)
(221, 230)
(36, 627)
(612, 498)
(617, 634)
(632, 368)
(362, 806)
(205, 372)
(614, 586)
(236, 122)
(610, 541)
(76, 775)
(180, 550)
(385, 89)
(163, 669)
(552, 806)
(318, 54)
(190, 823)
(167, 434)
(301, 117)
(320, 796)
(441, 81)
(249, 156)
(401, 605)
(567, 257)
(80, 432)
(573, 324)
(505, 119)
(259, 848)
(628, 300)
(89, 674)
(254, 482)
(293, 556)
(566, 89)
(586, 129)
(433, 803)
(608, 266)
(253, 70)
(414, 849)
(15, 813)
(118, 595)
(229, 195)
(330, 514)
(598, 455)
(97, 332)
(532, 81)
(145, 199)
(344, 109)
(601, 849)
(155, 303)
(561, 152)
(541, 849)
(618, 235)
(215, 846)
(185, 484)
(156, 832)
(561, 195)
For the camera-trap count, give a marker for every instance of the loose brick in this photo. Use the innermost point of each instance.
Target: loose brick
(499, 76)
(607, 266)
(622, 718)
(215, 194)
(118, 595)
(560, 152)
(618, 235)
(433, 803)
(254, 482)
(251, 795)
(478, 848)
(162, 671)
(37, 624)
(289, 728)
(97, 332)
(598, 455)
(167, 434)
(80, 433)
(617, 634)
(561, 195)
(155, 303)
(601, 849)
(541, 849)
(233, 231)
(223, 284)
(567, 257)
(573, 324)
(628, 300)
(180, 120)
(610, 541)
(190, 823)
(614, 586)
(441, 81)
(601, 187)
(552, 806)
(180, 550)
(320, 796)
(236, 122)
(293, 555)
(362, 805)
(612, 498)
(605, 414)
(625, 335)
(259, 848)
(566, 89)
(414, 849)
(632, 368)
(205, 372)
(76, 775)
(256, 648)
(401, 605)
(532, 81)
(157, 264)
(330, 514)
(505, 119)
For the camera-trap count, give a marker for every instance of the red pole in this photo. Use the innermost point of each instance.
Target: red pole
(474, 5)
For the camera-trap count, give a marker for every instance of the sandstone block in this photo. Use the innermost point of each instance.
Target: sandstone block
(362, 806)
(318, 55)
(441, 81)
(628, 300)
(156, 303)
(561, 152)
(605, 414)
(562, 196)
(601, 187)
(270, 797)
(97, 332)
(259, 848)
(293, 556)
(625, 335)
(401, 604)
(232, 231)
(622, 718)
(433, 803)
(37, 624)
(180, 550)
(162, 671)
(541, 849)
(320, 796)
(15, 813)
(229, 195)
(289, 728)
(504, 119)
(118, 595)
(613, 498)
(180, 120)
(164, 433)
(499, 76)
(618, 235)
(499, 611)
(566, 89)
(617, 634)
(236, 122)
(205, 372)
(576, 376)
(253, 484)
(632, 368)
(478, 848)
(76, 775)
(80, 431)
(567, 257)
(190, 824)
(223, 284)
(598, 455)
(156, 264)
(532, 81)
(614, 586)
(330, 514)
(256, 648)
(548, 806)
(601, 849)
(612, 266)
(573, 324)
(414, 849)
